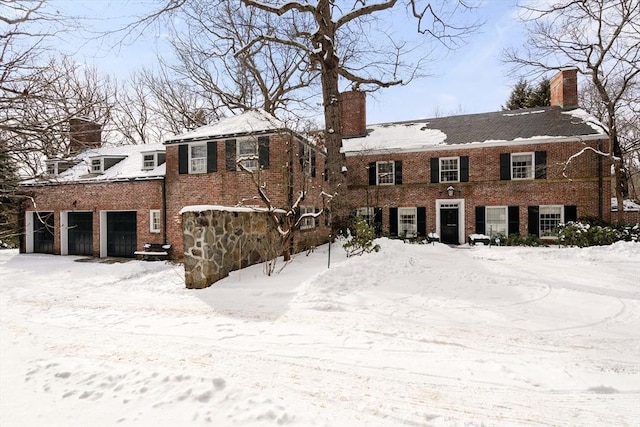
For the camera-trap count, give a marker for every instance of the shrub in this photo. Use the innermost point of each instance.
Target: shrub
(587, 232)
(518, 240)
(361, 240)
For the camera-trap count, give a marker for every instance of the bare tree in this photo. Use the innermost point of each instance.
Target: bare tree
(602, 39)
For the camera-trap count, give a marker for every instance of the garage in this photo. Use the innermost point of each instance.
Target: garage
(43, 227)
(121, 234)
(80, 233)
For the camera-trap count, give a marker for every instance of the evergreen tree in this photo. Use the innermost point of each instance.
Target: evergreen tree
(524, 95)
(8, 199)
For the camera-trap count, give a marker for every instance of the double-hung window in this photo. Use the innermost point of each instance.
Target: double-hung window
(366, 214)
(496, 220)
(309, 221)
(449, 169)
(154, 221)
(198, 158)
(522, 166)
(550, 218)
(96, 166)
(385, 172)
(248, 153)
(407, 222)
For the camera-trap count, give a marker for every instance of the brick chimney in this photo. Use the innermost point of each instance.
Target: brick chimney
(564, 88)
(353, 110)
(83, 134)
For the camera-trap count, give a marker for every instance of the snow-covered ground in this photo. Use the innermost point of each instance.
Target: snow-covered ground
(412, 335)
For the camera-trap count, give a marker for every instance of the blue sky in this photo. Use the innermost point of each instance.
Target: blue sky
(469, 80)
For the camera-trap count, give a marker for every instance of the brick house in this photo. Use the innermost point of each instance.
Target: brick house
(494, 173)
(111, 201)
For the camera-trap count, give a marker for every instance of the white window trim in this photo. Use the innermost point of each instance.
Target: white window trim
(307, 223)
(506, 219)
(561, 221)
(152, 213)
(251, 158)
(155, 161)
(441, 159)
(191, 170)
(393, 172)
(533, 166)
(408, 211)
(54, 165)
(101, 161)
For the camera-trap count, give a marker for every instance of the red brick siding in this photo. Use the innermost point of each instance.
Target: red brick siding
(139, 196)
(485, 188)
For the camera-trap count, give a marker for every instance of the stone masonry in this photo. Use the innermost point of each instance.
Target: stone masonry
(218, 240)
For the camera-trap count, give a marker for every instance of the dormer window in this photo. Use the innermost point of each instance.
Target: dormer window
(96, 166)
(101, 164)
(52, 168)
(152, 159)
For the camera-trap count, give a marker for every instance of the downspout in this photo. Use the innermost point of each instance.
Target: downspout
(164, 210)
(600, 183)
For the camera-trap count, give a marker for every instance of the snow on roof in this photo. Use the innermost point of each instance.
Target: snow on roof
(629, 205)
(253, 121)
(544, 124)
(129, 168)
(204, 208)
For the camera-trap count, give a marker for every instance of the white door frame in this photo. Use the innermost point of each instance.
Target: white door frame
(440, 203)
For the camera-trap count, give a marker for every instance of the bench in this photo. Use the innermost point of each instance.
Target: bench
(154, 252)
(479, 238)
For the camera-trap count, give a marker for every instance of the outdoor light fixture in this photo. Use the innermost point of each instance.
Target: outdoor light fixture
(450, 190)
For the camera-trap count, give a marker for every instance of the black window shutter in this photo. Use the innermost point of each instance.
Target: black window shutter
(326, 174)
(393, 221)
(534, 220)
(422, 221)
(435, 170)
(313, 163)
(377, 221)
(570, 213)
(464, 168)
(541, 164)
(212, 156)
(263, 151)
(183, 159)
(480, 221)
(398, 172)
(230, 154)
(505, 166)
(513, 213)
(372, 173)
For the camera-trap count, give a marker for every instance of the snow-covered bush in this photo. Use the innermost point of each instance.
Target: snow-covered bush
(518, 240)
(586, 233)
(361, 240)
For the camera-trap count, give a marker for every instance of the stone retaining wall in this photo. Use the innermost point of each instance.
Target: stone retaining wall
(218, 240)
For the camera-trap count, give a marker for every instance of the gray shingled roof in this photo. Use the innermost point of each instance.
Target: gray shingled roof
(504, 126)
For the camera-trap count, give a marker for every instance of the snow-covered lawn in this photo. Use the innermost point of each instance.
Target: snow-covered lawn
(412, 335)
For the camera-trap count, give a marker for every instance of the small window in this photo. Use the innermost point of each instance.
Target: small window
(385, 172)
(550, 218)
(154, 221)
(96, 166)
(307, 222)
(407, 222)
(52, 169)
(449, 169)
(496, 220)
(307, 160)
(248, 153)
(148, 161)
(522, 166)
(366, 213)
(198, 158)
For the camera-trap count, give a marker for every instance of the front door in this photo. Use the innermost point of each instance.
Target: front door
(43, 226)
(449, 225)
(121, 234)
(80, 233)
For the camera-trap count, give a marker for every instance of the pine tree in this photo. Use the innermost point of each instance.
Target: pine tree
(8, 200)
(524, 95)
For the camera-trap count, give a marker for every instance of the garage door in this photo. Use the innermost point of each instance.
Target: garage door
(121, 234)
(43, 226)
(80, 235)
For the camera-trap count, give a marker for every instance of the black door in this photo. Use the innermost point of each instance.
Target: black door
(121, 234)
(449, 226)
(80, 235)
(43, 226)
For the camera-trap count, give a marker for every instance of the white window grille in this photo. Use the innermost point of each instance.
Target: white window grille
(385, 172)
(154, 221)
(496, 220)
(198, 158)
(522, 166)
(449, 169)
(407, 222)
(550, 217)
